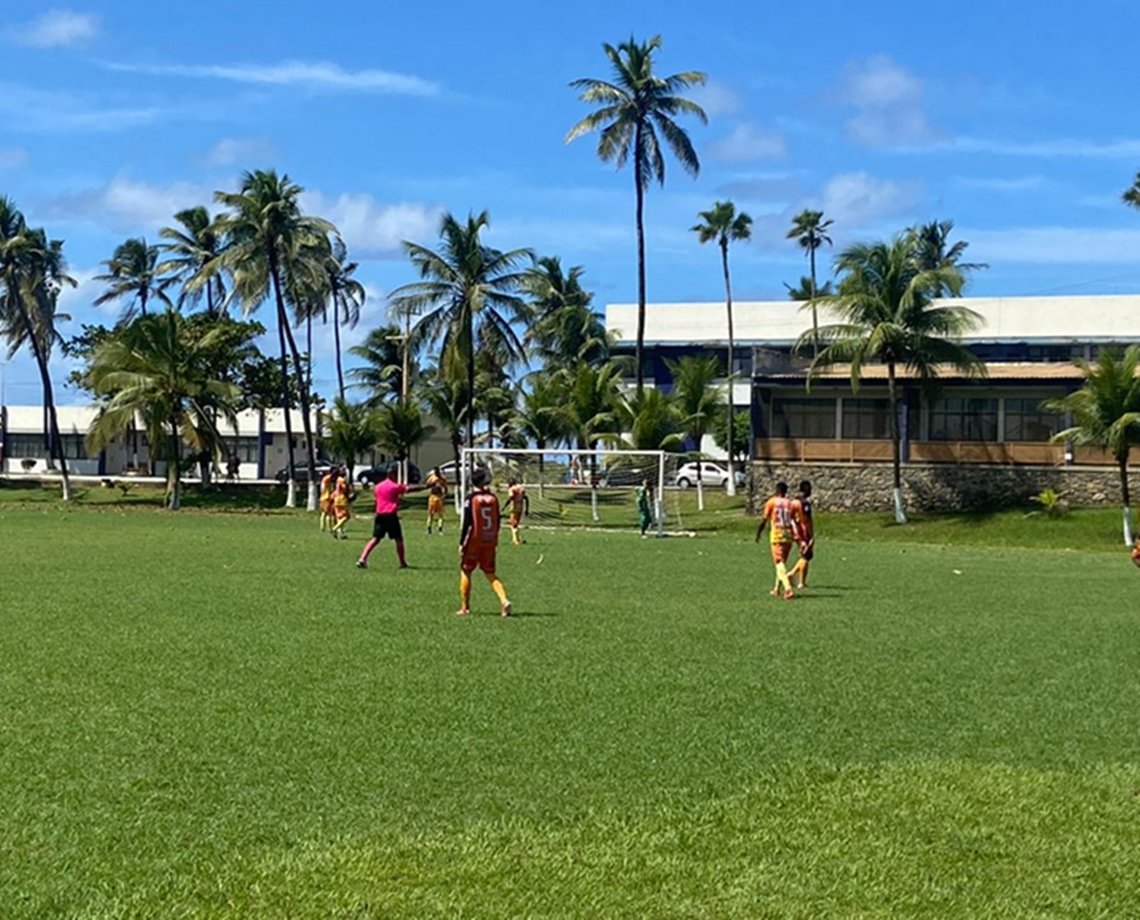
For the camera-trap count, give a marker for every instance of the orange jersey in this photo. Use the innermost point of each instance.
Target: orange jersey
(481, 519)
(781, 517)
(516, 495)
(801, 512)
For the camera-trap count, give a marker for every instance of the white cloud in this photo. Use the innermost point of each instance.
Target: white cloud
(371, 228)
(859, 199)
(1123, 148)
(56, 29)
(229, 151)
(313, 75)
(1001, 184)
(12, 157)
(71, 299)
(887, 100)
(30, 109)
(715, 98)
(747, 142)
(125, 204)
(1055, 245)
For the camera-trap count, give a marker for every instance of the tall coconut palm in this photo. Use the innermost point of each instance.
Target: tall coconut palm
(346, 296)
(1106, 413)
(634, 107)
(651, 421)
(724, 225)
(934, 251)
(402, 429)
(188, 252)
(565, 330)
(886, 312)
(445, 398)
(32, 274)
(699, 402)
(809, 229)
(469, 296)
(156, 368)
(133, 275)
(275, 251)
(354, 429)
(803, 290)
(381, 373)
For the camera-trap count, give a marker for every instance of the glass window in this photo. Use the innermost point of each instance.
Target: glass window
(866, 419)
(803, 418)
(25, 445)
(1025, 420)
(959, 419)
(74, 446)
(245, 448)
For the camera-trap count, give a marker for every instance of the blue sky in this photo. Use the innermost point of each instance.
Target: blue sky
(1008, 117)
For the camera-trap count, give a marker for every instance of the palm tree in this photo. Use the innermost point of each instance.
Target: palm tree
(885, 304)
(1131, 195)
(402, 429)
(353, 429)
(633, 109)
(346, 295)
(803, 290)
(133, 275)
(189, 251)
(724, 225)
(809, 229)
(275, 251)
(445, 398)
(565, 330)
(592, 403)
(699, 402)
(651, 421)
(1106, 413)
(469, 295)
(538, 416)
(156, 368)
(381, 374)
(934, 251)
(32, 274)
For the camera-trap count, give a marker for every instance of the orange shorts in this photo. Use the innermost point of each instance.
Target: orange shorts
(435, 505)
(514, 520)
(781, 551)
(478, 557)
(326, 506)
(341, 513)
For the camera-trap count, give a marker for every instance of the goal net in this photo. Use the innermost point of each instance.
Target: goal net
(576, 488)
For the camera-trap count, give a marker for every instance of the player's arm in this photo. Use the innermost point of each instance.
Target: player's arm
(466, 525)
(419, 487)
(526, 505)
(763, 521)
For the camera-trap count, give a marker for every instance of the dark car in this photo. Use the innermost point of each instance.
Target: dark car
(301, 471)
(371, 475)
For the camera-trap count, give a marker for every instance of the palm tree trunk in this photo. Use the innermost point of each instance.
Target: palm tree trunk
(174, 466)
(896, 447)
(55, 442)
(1122, 462)
(336, 340)
(814, 311)
(639, 183)
(731, 381)
(306, 421)
(287, 403)
(142, 301)
(700, 483)
(469, 323)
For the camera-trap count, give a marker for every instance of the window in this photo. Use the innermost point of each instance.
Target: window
(803, 418)
(1026, 421)
(74, 446)
(866, 419)
(245, 448)
(742, 363)
(25, 445)
(958, 419)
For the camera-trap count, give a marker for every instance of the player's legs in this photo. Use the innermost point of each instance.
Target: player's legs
(368, 547)
(464, 593)
(487, 563)
(780, 553)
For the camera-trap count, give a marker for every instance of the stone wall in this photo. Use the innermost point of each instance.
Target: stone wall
(939, 487)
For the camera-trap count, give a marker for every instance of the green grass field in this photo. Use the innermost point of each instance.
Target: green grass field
(211, 715)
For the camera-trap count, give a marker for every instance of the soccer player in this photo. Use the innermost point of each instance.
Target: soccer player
(387, 522)
(342, 508)
(328, 483)
(478, 539)
(779, 513)
(644, 506)
(801, 508)
(437, 493)
(520, 507)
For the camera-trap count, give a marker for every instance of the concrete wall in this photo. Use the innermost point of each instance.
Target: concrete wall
(852, 487)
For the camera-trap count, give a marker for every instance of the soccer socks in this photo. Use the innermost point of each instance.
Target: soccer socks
(498, 587)
(368, 547)
(782, 577)
(515, 536)
(464, 590)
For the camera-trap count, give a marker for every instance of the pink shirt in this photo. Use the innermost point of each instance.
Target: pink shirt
(388, 493)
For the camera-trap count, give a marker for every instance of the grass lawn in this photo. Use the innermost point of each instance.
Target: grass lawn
(216, 715)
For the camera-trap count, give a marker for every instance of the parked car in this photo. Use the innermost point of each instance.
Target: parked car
(371, 475)
(712, 474)
(301, 471)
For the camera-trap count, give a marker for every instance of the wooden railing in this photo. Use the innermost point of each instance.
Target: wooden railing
(831, 450)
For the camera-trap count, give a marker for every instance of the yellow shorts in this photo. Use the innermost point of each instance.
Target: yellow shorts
(435, 505)
(781, 551)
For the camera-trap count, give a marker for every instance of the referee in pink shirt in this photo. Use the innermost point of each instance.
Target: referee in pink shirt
(387, 523)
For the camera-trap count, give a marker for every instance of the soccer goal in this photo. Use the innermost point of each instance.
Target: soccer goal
(576, 488)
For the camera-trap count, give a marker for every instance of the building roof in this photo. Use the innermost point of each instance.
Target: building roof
(78, 419)
(1037, 320)
(999, 370)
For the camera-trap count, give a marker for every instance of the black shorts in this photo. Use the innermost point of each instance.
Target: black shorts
(387, 525)
(807, 552)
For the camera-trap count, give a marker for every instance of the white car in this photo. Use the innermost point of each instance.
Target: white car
(712, 474)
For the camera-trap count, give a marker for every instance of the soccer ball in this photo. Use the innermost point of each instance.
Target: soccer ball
(1136, 556)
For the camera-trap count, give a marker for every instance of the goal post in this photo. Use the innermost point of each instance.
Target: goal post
(569, 487)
